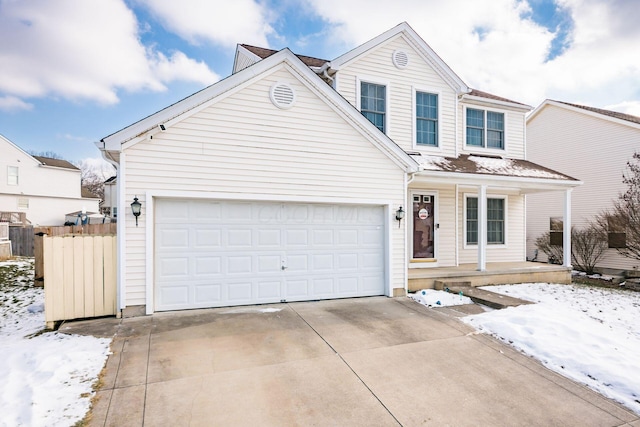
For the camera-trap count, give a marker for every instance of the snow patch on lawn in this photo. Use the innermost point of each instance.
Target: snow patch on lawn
(589, 334)
(46, 378)
(433, 298)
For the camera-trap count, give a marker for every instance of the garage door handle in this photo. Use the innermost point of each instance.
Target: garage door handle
(284, 267)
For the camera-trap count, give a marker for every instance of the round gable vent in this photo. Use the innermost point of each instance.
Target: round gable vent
(282, 95)
(400, 59)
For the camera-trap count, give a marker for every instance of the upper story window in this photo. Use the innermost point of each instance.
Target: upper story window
(373, 103)
(485, 129)
(12, 175)
(426, 119)
(495, 221)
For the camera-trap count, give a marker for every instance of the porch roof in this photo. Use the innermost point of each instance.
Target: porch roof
(476, 169)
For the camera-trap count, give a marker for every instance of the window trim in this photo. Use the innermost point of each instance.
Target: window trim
(9, 175)
(506, 221)
(375, 81)
(484, 148)
(414, 117)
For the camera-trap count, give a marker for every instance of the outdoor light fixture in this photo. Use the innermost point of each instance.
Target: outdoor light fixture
(399, 215)
(135, 208)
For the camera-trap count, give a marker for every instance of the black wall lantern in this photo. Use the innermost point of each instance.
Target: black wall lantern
(399, 215)
(135, 208)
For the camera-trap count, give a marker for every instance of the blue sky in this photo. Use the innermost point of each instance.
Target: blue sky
(75, 71)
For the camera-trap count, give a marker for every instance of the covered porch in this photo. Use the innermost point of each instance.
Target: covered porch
(496, 273)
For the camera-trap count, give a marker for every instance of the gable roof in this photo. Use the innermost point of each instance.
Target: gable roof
(263, 53)
(56, 163)
(429, 55)
(622, 118)
(20, 150)
(190, 105)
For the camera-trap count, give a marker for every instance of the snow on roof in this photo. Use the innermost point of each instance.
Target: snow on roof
(475, 164)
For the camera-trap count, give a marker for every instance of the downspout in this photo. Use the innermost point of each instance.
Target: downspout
(323, 72)
(120, 231)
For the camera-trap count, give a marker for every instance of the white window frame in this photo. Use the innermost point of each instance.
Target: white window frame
(484, 149)
(381, 82)
(414, 128)
(504, 197)
(10, 175)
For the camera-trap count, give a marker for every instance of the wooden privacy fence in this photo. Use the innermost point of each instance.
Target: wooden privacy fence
(21, 240)
(39, 232)
(79, 277)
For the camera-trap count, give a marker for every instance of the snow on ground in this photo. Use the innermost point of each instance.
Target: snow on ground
(589, 334)
(433, 298)
(46, 378)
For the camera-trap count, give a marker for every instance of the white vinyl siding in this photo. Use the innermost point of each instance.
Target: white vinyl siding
(418, 74)
(244, 144)
(594, 150)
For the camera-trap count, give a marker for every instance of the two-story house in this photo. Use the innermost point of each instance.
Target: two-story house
(571, 137)
(40, 189)
(298, 178)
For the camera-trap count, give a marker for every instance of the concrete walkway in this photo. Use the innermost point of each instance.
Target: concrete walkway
(354, 362)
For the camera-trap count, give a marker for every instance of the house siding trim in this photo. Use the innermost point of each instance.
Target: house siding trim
(151, 196)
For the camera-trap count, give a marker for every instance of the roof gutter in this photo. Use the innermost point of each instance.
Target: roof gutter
(324, 72)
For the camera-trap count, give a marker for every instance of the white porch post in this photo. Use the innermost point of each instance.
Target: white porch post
(482, 228)
(566, 230)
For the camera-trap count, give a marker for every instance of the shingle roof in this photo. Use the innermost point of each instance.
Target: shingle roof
(58, 163)
(263, 53)
(486, 165)
(481, 94)
(615, 114)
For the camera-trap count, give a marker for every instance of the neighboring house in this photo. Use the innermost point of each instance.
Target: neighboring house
(289, 179)
(44, 189)
(591, 144)
(108, 206)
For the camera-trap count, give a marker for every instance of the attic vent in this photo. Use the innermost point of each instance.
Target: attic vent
(282, 95)
(400, 59)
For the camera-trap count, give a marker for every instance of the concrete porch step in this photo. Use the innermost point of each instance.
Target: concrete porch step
(481, 296)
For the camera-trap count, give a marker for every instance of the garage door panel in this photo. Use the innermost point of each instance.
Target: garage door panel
(208, 265)
(173, 238)
(269, 263)
(269, 238)
(322, 237)
(239, 292)
(207, 238)
(269, 290)
(208, 293)
(239, 238)
(232, 253)
(296, 237)
(347, 286)
(174, 267)
(240, 264)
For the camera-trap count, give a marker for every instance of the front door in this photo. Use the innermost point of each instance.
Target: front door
(423, 226)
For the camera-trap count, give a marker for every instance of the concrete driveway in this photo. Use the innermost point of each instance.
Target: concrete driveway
(354, 362)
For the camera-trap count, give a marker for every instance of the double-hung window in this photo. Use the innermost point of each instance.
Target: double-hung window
(12, 175)
(373, 103)
(485, 129)
(495, 221)
(427, 119)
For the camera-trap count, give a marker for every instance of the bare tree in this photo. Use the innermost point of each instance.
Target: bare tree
(94, 175)
(587, 247)
(624, 217)
(553, 252)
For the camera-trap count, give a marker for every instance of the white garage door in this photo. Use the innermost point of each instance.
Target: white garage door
(211, 253)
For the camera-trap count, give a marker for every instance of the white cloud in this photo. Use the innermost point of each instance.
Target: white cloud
(495, 46)
(210, 21)
(12, 103)
(82, 50)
